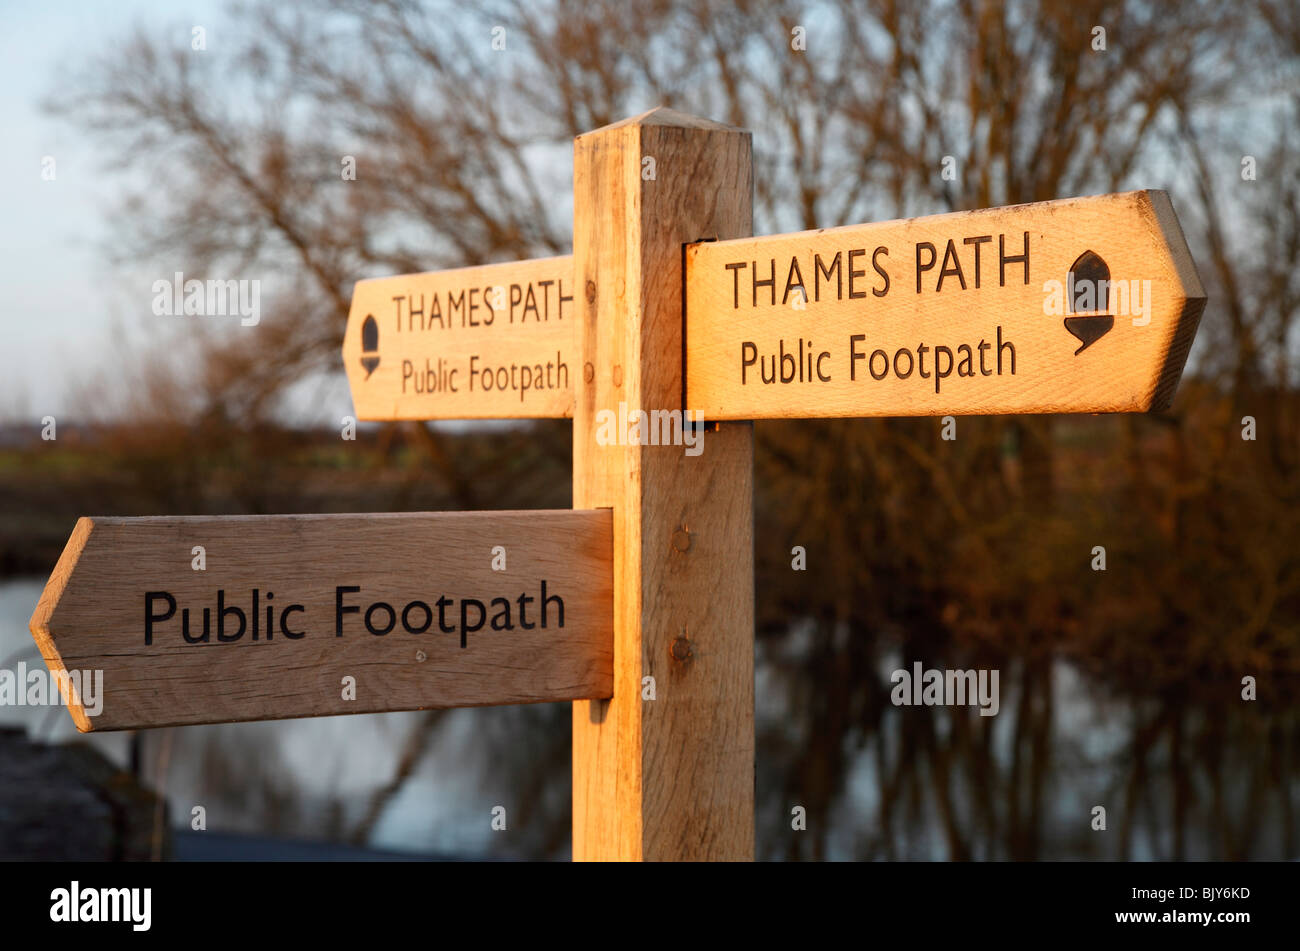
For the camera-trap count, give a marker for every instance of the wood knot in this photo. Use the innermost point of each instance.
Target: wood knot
(681, 650)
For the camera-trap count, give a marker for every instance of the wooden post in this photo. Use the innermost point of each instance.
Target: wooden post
(669, 778)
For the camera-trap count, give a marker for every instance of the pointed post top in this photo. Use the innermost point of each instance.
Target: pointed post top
(663, 116)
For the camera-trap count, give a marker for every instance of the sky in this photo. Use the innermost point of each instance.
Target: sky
(63, 307)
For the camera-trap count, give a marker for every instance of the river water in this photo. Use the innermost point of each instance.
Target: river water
(320, 778)
(295, 777)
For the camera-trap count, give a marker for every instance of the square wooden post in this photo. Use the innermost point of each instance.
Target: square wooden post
(668, 778)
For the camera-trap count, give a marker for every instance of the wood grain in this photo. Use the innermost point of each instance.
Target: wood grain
(1133, 367)
(92, 614)
(670, 778)
(440, 333)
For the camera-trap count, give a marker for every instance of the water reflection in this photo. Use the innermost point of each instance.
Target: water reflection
(920, 783)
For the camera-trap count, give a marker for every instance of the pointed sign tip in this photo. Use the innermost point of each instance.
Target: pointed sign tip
(58, 581)
(1158, 204)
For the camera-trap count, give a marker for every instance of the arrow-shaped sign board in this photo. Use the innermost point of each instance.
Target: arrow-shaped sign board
(170, 621)
(1081, 306)
(492, 342)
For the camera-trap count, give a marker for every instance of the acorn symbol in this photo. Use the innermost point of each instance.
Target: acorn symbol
(1089, 289)
(369, 345)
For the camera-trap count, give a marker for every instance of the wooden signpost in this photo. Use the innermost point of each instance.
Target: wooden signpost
(642, 601)
(494, 342)
(1081, 306)
(286, 607)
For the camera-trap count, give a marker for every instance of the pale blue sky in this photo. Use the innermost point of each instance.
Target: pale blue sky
(62, 307)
